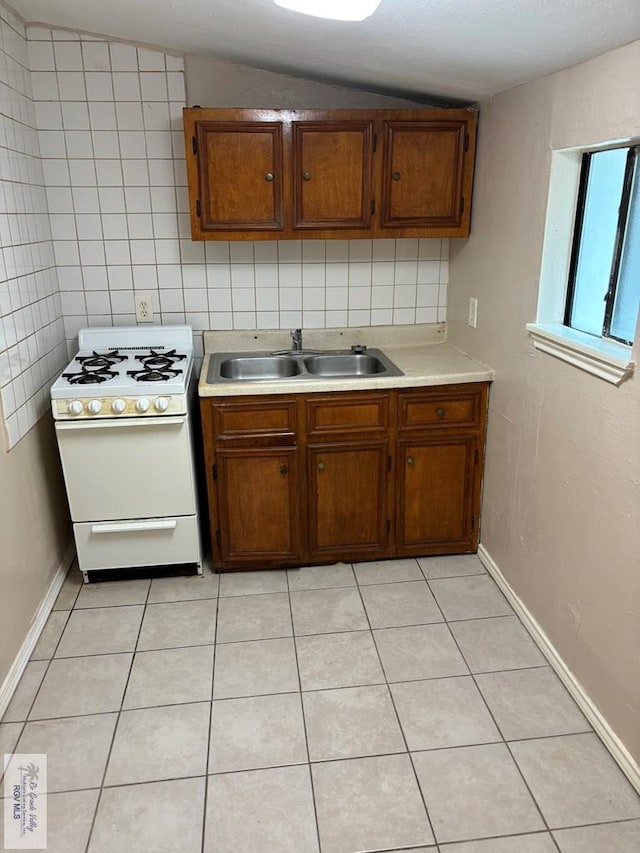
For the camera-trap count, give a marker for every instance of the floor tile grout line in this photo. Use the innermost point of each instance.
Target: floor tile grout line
(117, 725)
(277, 693)
(398, 721)
(267, 640)
(44, 675)
(504, 741)
(304, 721)
(209, 734)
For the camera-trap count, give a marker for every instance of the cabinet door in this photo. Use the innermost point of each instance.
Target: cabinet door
(436, 495)
(332, 174)
(349, 514)
(423, 171)
(239, 176)
(258, 506)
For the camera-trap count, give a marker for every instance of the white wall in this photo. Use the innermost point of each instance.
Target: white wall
(220, 83)
(561, 509)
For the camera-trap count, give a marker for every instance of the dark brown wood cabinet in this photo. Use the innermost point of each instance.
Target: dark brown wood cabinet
(440, 459)
(424, 173)
(291, 174)
(239, 176)
(331, 173)
(253, 481)
(258, 506)
(435, 495)
(348, 463)
(300, 479)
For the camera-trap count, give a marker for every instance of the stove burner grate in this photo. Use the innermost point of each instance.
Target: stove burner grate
(90, 377)
(101, 359)
(149, 374)
(161, 361)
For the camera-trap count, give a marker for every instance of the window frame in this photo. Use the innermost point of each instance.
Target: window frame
(632, 168)
(603, 358)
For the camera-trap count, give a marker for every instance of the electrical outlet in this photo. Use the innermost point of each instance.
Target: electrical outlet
(473, 312)
(144, 308)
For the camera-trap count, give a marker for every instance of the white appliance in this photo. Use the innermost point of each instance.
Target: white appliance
(124, 431)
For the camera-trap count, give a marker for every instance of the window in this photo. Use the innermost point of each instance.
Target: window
(604, 277)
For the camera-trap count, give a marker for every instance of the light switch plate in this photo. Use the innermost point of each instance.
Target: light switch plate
(473, 312)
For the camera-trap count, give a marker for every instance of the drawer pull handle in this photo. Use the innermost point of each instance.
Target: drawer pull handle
(306, 176)
(320, 466)
(268, 177)
(440, 412)
(284, 470)
(134, 526)
(409, 460)
(396, 176)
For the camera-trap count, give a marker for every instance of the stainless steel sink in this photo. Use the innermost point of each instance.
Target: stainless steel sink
(345, 364)
(249, 367)
(298, 366)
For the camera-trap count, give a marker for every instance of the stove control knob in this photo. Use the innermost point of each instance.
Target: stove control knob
(143, 404)
(161, 404)
(118, 406)
(75, 407)
(94, 406)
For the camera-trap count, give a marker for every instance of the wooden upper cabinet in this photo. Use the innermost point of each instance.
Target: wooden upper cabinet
(332, 167)
(322, 174)
(423, 182)
(236, 176)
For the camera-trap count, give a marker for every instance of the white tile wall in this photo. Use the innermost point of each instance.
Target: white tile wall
(110, 122)
(32, 348)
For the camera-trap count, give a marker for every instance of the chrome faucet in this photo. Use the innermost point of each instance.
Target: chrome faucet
(296, 337)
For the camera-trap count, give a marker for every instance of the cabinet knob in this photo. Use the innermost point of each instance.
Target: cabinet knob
(409, 460)
(306, 176)
(396, 176)
(320, 466)
(268, 177)
(440, 412)
(284, 470)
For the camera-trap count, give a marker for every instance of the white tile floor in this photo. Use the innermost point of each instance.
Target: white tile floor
(384, 706)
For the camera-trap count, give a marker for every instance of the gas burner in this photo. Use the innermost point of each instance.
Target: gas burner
(161, 360)
(150, 374)
(101, 359)
(90, 377)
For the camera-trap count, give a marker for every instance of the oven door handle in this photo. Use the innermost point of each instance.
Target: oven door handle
(134, 526)
(115, 423)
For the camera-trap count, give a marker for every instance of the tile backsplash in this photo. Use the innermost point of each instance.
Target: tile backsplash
(107, 193)
(32, 349)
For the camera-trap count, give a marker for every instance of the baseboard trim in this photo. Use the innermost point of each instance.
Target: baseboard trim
(39, 620)
(609, 738)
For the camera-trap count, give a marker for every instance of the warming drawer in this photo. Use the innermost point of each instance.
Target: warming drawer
(152, 542)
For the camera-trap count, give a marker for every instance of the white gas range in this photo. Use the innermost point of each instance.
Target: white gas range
(122, 420)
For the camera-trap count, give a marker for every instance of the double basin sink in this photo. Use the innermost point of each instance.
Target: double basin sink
(309, 364)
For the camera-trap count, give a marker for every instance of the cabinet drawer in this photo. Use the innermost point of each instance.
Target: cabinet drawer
(364, 413)
(461, 406)
(255, 419)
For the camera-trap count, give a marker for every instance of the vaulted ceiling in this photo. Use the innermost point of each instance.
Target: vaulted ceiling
(453, 49)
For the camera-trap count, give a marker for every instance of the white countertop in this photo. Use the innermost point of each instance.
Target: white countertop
(421, 352)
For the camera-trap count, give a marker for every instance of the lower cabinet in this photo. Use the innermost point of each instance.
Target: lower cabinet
(258, 505)
(436, 497)
(317, 478)
(347, 501)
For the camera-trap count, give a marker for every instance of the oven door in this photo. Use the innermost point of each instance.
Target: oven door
(125, 469)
